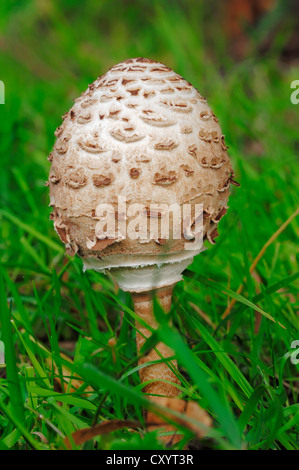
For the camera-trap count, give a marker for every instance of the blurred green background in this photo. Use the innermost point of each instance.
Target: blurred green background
(243, 56)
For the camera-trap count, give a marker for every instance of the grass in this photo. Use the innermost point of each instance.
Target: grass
(62, 373)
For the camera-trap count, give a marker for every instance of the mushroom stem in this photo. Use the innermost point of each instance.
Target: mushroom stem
(163, 393)
(143, 303)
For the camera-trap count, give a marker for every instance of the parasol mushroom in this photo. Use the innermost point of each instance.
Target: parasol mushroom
(143, 138)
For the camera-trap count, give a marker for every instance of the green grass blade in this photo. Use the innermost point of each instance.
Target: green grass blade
(10, 356)
(230, 293)
(221, 410)
(30, 229)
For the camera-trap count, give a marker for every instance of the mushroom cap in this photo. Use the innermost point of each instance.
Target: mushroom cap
(144, 133)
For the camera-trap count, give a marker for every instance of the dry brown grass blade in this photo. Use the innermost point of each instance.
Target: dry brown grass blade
(186, 409)
(259, 256)
(203, 315)
(41, 436)
(85, 434)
